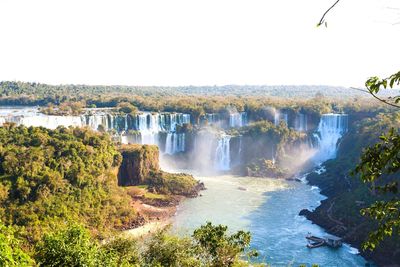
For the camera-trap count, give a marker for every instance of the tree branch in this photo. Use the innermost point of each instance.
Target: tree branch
(375, 96)
(322, 20)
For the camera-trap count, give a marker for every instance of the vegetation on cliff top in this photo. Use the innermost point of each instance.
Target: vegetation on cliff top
(174, 183)
(140, 166)
(51, 177)
(263, 141)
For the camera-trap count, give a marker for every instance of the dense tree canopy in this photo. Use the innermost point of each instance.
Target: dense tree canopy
(51, 177)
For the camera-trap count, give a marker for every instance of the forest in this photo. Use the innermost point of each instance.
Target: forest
(61, 203)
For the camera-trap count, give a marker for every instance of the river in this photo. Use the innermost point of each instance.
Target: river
(268, 208)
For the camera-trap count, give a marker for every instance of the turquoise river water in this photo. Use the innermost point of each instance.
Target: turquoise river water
(268, 208)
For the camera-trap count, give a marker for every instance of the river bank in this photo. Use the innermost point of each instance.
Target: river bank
(353, 228)
(155, 211)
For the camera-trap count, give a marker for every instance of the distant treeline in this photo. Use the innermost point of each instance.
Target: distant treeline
(12, 88)
(257, 101)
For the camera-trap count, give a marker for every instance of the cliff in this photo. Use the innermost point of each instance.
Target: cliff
(138, 163)
(340, 214)
(140, 166)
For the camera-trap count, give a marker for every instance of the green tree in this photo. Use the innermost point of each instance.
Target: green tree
(121, 251)
(127, 108)
(10, 252)
(222, 248)
(168, 250)
(379, 165)
(210, 245)
(70, 247)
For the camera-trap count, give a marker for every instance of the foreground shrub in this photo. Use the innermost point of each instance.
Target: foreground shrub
(10, 252)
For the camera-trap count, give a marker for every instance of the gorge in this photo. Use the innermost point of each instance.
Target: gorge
(224, 149)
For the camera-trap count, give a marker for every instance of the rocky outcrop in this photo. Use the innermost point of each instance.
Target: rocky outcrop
(138, 163)
(140, 166)
(195, 192)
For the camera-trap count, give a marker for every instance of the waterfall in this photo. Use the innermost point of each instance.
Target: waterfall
(222, 154)
(169, 121)
(126, 122)
(169, 147)
(330, 129)
(212, 118)
(148, 125)
(110, 121)
(175, 143)
(51, 122)
(273, 154)
(278, 117)
(174, 120)
(184, 119)
(237, 119)
(141, 122)
(238, 157)
(95, 120)
(300, 122)
(240, 148)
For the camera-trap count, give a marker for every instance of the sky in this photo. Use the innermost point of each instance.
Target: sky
(203, 42)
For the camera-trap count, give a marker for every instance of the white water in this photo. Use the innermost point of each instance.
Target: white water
(300, 122)
(330, 129)
(148, 125)
(222, 158)
(278, 117)
(175, 143)
(95, 121)
(174, 120)
(239, 159)
(51, 122)
(237, 119)
(212, 118)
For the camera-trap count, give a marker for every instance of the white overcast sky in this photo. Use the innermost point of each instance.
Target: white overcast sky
(203, 42)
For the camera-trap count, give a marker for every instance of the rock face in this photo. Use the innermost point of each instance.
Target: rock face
(138, 162)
